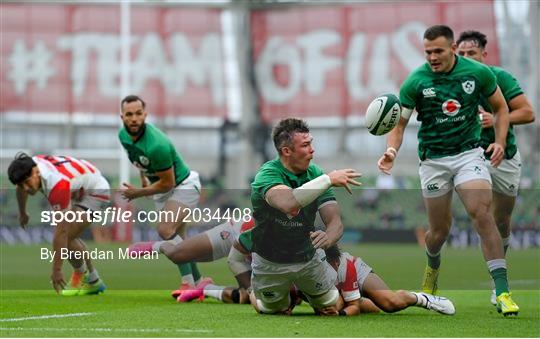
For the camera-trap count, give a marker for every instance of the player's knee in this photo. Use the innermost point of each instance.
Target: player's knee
(327, 299)
(279, 307)
(166, 231)
(395, 302)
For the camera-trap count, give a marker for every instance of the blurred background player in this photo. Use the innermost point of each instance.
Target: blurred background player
(214, 244)
(69, 184)
(505, 178)
(164, 176)
(363, 291)
(286, 194)
(445, 92)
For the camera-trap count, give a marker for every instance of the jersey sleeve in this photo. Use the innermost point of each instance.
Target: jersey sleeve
(349, 288)
(407, 93)
(161, 158)
(60, 195)
(267, 178)
(488, 81)
(509, 85)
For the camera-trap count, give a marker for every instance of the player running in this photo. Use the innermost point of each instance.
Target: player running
(286, 194)
(211, 245)
(445, 92)
(69, 184)
(164, 176)
(355, 278)
(505, 177)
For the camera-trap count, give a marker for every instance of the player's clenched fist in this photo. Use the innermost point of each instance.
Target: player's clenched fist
(344, 177)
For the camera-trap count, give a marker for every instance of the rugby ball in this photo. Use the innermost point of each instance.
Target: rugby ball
(383, 114)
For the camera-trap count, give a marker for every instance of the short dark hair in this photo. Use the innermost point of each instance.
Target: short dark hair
(132, 98)
(333, 253)
(436, 31)
(479, 37)
(283, 132)
(20, 168)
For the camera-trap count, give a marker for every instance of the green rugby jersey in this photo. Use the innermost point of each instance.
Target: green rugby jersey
(278, 237)
(510, 89)
(153, 152)
(447, 106)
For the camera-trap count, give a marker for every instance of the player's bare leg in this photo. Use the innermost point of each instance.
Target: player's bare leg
(502, 208)
(197, 248)
(85, 278)
(440, 220)
(476, 196)
(167, 230)
(389, 301)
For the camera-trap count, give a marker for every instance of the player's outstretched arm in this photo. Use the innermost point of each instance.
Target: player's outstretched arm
(290, 200)
(59, 242)
(164, 184)
(22, 197)
(144, 180)
(395, 139)
(502, 120)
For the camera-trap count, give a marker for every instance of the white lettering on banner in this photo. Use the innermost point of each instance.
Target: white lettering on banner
(308, 66)
(30, 65)
(200, 69)
(277, 52)
(316, 64)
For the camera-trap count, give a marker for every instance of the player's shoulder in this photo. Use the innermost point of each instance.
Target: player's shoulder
(123, 135)
(273, 165)
(472, 65)
(501, 73)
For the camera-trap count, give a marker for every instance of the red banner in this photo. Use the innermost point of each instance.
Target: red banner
(333, 60)
(66, 58)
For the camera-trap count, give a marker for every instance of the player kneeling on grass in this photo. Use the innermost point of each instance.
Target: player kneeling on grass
(70, 185)
(211, 245)
(355, 276)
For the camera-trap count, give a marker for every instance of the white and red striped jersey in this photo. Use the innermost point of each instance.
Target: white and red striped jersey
(64, 177)
(347, 277)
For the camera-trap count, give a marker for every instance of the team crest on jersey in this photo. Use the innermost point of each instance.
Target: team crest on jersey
(468, 86)
(451, 107)
(144, 160)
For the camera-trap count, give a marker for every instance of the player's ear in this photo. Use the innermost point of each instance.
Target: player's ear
(453, 47)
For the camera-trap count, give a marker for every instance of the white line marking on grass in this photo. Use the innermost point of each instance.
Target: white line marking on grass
(47, 317)
(143, 330)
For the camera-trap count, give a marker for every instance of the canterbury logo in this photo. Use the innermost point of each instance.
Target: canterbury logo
(429, 92)
(432, 187)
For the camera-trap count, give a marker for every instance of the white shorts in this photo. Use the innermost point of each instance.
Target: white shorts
(97, 197)
(440, 175)
(187, 193)
(362, 272)
(506, 177)
(222, 238)
(271, 281)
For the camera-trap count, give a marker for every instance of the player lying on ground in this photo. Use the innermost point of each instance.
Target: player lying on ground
(211, 245)
(70, 185)
(355, 278)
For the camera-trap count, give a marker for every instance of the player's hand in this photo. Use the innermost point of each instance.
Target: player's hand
(344, 177)
(386, 161)
(57, 280)
(319, 239)
(497, 153)
(23, 220)
(130, 192)
(486, 118)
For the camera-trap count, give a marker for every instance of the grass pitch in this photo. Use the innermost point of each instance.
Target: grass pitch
(137, 302)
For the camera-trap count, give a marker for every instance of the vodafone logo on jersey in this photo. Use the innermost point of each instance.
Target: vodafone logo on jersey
(451, 107)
